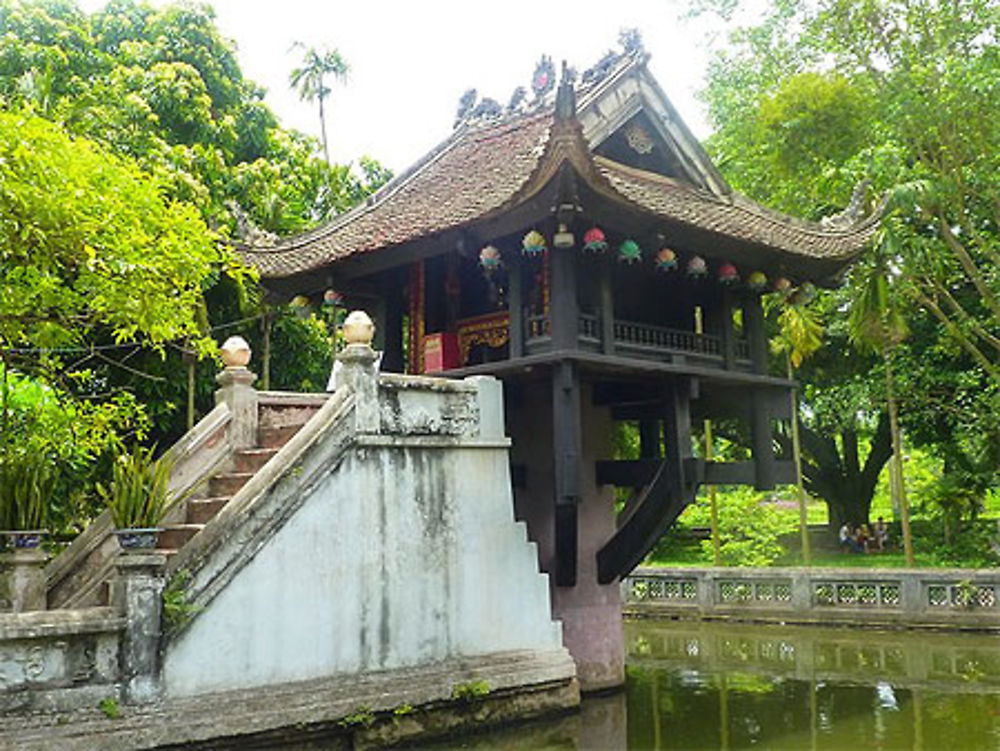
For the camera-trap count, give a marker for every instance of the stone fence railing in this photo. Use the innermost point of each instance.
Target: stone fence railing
(967, 598)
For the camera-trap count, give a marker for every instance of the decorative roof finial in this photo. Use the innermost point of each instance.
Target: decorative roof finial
(565, 97)
(630, 40)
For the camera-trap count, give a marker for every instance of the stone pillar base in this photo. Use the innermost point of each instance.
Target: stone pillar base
(592, 632)
(23, 573)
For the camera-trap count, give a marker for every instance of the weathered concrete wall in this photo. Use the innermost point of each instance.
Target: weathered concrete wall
(590, 612)
(404, 553)
(55, 660)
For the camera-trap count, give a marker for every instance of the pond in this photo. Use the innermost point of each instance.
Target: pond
(736, 686)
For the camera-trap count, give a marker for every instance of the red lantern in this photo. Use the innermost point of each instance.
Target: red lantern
(728, 273)
(595, 241)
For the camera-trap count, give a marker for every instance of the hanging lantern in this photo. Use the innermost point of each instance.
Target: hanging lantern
(629, 251)
(665, 259)
(533, 243)
(595, 241)
(489, 259)
(300, 306)
(803, 295)
(782, 284)
(332, 298)
(757, 281)
(728, 273)
(697, 267)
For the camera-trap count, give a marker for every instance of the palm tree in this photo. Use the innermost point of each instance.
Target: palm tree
(876, 323)
(309, 81)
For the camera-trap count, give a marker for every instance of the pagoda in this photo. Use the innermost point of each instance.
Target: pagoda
(580, 246)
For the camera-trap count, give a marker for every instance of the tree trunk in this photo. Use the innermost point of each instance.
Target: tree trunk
(322, 125)
(841, 481)
(797, 460)
(897, 458)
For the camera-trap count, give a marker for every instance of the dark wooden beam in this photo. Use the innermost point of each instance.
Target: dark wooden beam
(564, 312)
(753, 320)
(762, 441)
(636, 473)
(665, 495)
(727, 332)
(515, 307)
(392, 358)
(608, 309)
(566, 426)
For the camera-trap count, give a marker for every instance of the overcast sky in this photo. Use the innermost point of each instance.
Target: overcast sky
(411, 61)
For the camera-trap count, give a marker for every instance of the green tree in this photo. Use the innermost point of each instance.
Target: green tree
(309, 81)
(877, 322)
(822, 93)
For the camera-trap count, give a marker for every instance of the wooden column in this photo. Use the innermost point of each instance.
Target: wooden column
(567, 465)
(762, 441)
(564, 314)
(392, 357)
(753, 323)
(727, 332)
(607, 310)
(515, 308)
(677, 429)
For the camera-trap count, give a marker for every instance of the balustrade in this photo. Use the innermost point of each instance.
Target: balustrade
(639, 339)
(919, 597)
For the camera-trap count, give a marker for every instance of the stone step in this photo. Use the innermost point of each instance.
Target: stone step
(175, 536)
(275, 438)
(203, 510)
(228, 484)
(250, 460)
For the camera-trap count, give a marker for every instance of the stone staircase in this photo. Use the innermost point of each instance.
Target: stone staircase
(202, 507)
(208, 472)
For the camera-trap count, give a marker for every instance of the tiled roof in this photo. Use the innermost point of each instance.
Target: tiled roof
(484, 169)
(735, 216)
(471, 175)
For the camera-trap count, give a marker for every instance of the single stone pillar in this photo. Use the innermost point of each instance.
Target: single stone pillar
(357, 370)
(139, 597)
(24, 574)
(237, 391)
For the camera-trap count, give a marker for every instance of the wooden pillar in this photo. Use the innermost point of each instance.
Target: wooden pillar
(753, 320)
(566, 454)
(649, 439)
(762, 441)
(727, 332)
(677, 428)
(515, 308)
(564, 316)
(392, 357)
(607, 311)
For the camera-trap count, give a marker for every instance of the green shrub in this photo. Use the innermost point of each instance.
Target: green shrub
(138, 496)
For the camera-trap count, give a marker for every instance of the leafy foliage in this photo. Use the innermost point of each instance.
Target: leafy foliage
(137, 497)
(822, 93)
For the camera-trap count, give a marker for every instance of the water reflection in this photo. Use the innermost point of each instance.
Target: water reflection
(726, 686)
(721, 686)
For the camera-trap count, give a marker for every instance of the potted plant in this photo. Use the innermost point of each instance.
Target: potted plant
(137, 498)
(26, 483)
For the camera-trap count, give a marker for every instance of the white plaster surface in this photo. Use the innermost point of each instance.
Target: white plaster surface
(401, 556)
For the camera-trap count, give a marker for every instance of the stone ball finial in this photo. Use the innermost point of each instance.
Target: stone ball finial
(235, 352)
(358, 328)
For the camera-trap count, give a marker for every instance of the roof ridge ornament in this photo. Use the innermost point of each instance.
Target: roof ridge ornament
(566, 95)
(853, 213)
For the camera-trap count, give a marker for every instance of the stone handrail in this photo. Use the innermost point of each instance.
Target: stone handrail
(73, 575)
(235, 534)
(919, 597)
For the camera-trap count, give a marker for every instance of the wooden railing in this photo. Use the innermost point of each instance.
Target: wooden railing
(645, 336)
(640, 339)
